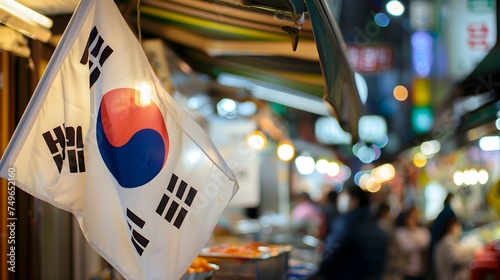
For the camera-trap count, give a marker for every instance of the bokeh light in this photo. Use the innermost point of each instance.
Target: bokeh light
(285, 151)
(419, 160)
(458, 178)
(322, 166)
(395, 8)
(400, 93)
(373, 186)
(257, 140)
(483, 176)
(305, 165)
(382, 19)
(333, 169)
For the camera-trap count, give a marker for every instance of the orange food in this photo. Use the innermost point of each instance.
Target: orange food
(199, 265)
(245, 250)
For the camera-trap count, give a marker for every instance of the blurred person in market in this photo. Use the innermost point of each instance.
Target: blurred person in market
(413, 239)
(308, 217)
(451, 258)
(395, 258)
(437, 227)
(329, 208)
(356, 246)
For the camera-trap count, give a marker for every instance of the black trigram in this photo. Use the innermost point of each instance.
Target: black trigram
(172, 214)
(66, 140)
(100, 52)
(138, 240)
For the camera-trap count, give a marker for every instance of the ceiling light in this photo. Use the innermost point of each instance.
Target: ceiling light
(25, 20)
(30, 14)
(283, 96)
(300, 101)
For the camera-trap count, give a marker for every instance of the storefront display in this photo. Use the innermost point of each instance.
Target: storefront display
(249, 261)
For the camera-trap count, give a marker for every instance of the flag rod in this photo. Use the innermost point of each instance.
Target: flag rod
(41, 90)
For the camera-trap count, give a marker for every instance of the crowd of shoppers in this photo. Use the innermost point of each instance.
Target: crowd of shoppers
(367, 242)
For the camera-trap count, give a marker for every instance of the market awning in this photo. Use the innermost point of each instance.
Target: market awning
(255, 40)
(290, 44)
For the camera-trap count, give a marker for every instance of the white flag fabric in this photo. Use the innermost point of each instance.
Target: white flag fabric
(102, 138)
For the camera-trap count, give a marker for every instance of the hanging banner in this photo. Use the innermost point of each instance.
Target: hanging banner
(470, 33)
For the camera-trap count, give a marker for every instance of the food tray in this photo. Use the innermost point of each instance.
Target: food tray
(269, 263)
(265, 252)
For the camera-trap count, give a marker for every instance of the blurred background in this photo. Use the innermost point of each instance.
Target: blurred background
(399, 96)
